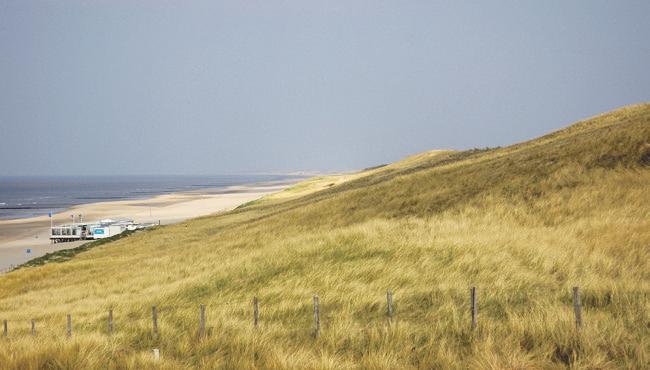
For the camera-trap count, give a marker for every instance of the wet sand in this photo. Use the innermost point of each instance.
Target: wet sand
(19, 235)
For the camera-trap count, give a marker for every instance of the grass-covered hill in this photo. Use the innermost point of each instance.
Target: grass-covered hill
(523, 224)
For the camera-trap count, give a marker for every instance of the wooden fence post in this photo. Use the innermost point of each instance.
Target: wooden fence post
(201, 320)
(473, 306)
(316, 318)
(577, 307)
(389, 305)
(110, 321)
(33, 328)
(154, 319)
(256, 312)
(69, 331)
(5, 329)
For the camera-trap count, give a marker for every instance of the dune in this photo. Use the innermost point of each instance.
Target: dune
(522, 224)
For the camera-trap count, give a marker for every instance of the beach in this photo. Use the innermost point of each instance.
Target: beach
(17, 236)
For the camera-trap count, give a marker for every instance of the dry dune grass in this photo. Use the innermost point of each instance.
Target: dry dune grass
(523, 224)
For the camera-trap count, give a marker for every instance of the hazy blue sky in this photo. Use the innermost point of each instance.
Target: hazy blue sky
(173, 87)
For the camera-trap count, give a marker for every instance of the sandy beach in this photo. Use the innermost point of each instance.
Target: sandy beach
(19, 235)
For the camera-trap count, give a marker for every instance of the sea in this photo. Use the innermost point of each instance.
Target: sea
(27, 196)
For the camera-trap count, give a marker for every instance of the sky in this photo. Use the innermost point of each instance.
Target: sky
(229, 87)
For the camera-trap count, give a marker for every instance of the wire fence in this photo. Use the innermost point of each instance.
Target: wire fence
(252, 308)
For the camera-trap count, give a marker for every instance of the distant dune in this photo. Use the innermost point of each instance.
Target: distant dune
(523, 224)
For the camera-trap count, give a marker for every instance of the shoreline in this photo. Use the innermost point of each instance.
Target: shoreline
(32, 196)
(19, 235)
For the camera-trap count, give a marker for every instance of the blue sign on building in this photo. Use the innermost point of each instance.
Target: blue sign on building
(99, 231)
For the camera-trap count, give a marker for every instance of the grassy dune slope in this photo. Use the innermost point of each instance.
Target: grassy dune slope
(523, 224)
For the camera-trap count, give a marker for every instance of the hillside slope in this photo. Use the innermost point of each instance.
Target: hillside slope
(524, 224)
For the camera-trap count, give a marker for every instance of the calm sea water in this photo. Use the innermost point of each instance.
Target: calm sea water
(32, 196)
